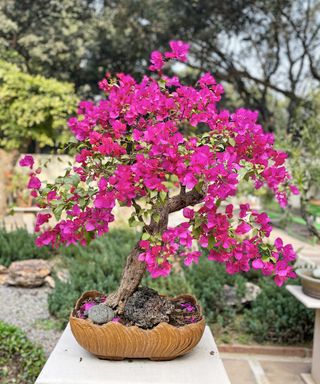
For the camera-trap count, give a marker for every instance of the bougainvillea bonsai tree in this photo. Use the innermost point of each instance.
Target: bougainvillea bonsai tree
(132, 150)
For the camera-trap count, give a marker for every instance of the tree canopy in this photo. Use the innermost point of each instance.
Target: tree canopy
(33, 109)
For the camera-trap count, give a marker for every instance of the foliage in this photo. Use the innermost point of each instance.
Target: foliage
(226, 39)
(50, 40)
(33, 108)
(97, 266)
(130, 151)
(303, 146)
(20, 360)
(19, 245)
(208, 281)
(277, 316)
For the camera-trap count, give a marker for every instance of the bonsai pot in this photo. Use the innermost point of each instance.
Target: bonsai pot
(115, 341)
(310, 285)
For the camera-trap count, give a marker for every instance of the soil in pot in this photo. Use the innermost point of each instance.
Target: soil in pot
(146, 308)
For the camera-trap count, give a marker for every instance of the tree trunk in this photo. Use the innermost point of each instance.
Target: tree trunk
(135, 269)
(132, 275)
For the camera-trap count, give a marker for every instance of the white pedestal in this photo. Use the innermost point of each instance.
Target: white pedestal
(71, 364)
(310, 302)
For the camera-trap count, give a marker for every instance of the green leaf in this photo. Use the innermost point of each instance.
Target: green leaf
(211, 242)
(163, 196)
(232, 141)
(156, 217)
(133, 221)
(145, 236)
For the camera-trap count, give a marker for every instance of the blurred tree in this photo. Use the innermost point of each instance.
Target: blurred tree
(262, 48)
(33, 112)
(304, 155)
(48, 38)
(33, 109)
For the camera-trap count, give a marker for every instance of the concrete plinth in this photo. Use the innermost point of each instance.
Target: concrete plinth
(310, 302)
(71, 364)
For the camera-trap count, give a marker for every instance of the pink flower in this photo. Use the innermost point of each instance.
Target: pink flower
(257, 264)
(192, 257)
(188, 213)
(52, 195)
(27, 161)
(156, 61)
(104, 201)
(179, 50)
(34, 183)
(294, 190)
(131, 148)
(243, 228)
(190, 181)
(85, 307)
(41, 219)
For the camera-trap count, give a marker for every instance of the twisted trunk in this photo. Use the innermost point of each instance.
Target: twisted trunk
(134, 269)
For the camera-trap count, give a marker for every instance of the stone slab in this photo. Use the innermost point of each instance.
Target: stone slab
(71, 364)
(239, 371)
(308, 301)
(307, 379)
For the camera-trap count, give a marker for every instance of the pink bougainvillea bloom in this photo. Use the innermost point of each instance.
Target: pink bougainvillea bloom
(52, 195)
(179, 50)
(34, 183)
(27, 161)
(156, 61)
(243, 228)
(41, 219)
(131, 150)
(257, 264)
(188, 306)
(294, 190)
(188, 213)
(87, 306)
(192, 257)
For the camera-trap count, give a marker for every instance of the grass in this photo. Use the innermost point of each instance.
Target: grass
(20, 360)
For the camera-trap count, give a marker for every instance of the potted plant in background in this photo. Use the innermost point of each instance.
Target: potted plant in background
(310, 280)
(131, 150)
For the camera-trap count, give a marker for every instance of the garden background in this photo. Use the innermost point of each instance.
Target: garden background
(267, 56)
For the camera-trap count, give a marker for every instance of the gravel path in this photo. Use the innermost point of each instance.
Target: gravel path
(28, 309)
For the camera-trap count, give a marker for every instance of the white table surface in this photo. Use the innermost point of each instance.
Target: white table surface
(307, 301)
(71, 364)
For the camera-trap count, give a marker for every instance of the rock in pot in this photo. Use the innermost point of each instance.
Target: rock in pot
(100, 314)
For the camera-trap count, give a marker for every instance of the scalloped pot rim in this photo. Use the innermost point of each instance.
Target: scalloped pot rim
(300, 273)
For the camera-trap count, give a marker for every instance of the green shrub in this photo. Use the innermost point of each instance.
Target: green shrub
(274, 316)
(278, 317)
(175, 285)
(19, 245)
(20, 360)
(207, 280)
(98, 266)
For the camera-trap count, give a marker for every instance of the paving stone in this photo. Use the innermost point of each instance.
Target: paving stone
(285, 372)
(239, 371)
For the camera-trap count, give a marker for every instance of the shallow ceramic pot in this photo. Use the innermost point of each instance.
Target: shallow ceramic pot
(310, 285)
(115, 341)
